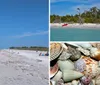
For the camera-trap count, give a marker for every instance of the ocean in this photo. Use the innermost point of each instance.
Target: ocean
(74, 34)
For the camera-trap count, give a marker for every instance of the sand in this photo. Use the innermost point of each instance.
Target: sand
(21, 67)
(76, 25)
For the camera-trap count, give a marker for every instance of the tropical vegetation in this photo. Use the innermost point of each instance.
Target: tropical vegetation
(90, 16)
(36, 48)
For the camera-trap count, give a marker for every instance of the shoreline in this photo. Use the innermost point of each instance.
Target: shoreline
(76, 25)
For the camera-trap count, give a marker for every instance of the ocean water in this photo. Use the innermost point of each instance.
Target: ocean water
(74, 34)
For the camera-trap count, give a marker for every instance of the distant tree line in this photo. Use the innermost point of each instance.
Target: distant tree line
(90, 16)
(36, 48)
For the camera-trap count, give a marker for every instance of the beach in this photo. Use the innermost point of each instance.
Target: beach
(23, 67)
(76, 25)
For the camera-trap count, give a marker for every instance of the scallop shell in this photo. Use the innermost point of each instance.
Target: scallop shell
(53, 70)
(55, 50)
(87, 66)
(69, 75)
(58, 76)
(66, 65)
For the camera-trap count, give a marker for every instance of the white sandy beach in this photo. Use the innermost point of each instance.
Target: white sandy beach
(76, 25)
(23, 67)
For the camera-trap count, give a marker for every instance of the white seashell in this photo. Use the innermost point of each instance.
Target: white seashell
(58, 76)
(52, 83)
(84, 51)
(74, 82)
(69, 75)
(85, 45)
(66, 65)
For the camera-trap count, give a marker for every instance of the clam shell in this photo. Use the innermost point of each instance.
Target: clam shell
(88, 65)
(69, 75)
(55, 50)
(58, 76)
(53, 70)
(66, 65)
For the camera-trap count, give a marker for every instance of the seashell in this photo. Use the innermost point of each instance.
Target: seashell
(93, 82)
(99, 63)
(96, 45)
(58, 76)
(69, 75)
(84, 51)
(75, 53)
(74, 82)
(95, 53)
(97, 80)
(60, 82)
(55, 50)
(52, 83)
(53, 70)
(87, 66)
(66, 65)
(86, 80)
(68, 84)
(80, 65)
(64, 55)
(85, 45)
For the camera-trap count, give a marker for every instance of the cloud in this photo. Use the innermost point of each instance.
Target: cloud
(78, 1)
(31, 34)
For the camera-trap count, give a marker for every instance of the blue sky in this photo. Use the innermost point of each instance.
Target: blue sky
(23, 23)
(63, 7)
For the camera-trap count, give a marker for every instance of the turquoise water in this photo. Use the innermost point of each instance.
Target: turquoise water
(75, 34)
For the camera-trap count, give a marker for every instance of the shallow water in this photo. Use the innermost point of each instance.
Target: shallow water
(74, 34)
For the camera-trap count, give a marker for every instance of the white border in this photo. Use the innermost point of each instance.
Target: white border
(49, 41)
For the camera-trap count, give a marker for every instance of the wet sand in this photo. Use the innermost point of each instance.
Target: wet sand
(21, 67)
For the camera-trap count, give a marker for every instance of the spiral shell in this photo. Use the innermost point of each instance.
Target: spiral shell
(87, 66)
